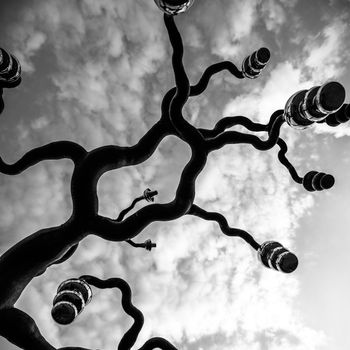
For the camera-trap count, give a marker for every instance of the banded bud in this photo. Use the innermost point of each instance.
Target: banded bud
(274, 256)
(174, 7)
(148, 194)
(10, 70)
(339, 117)
(308, 106)
(70, 300)
(253, 65)
(317, 181)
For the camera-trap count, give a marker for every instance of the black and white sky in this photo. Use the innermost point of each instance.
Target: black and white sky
(94, 72)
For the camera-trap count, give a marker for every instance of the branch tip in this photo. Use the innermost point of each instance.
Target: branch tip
(148, 195)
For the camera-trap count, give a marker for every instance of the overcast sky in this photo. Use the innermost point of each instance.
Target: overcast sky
(94, 72)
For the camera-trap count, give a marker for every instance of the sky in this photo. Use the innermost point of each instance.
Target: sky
(94, 72)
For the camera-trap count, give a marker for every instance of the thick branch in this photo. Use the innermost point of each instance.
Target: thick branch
(202, 84)
(225, 228)
(64, 258)
(189, 133)
(54, 150)
(134, 224)
(20, 329)
(130, 227)
(97, 162)
(31, 257)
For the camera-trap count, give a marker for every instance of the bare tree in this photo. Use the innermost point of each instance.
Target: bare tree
(54, 245)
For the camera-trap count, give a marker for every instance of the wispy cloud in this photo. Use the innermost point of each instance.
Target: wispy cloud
(107, 74)
(326, 52)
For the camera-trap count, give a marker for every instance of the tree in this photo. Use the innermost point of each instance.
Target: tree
(57, 244)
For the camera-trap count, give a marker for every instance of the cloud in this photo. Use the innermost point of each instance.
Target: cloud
(227, 26)
(325, 55)
(197, 283)
(274, 15)
(261, 101)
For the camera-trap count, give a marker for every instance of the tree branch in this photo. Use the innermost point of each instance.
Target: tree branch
(228, 122)
(20, 329)
(234, 137)
(283, 159)
(51, 151)
(212, 70)
(130, 227)
(31, 257)
(157, 342)
(202, 84)
(64, 258)
(130, 337)
(188, 132)
(130, 207)
(225, 228)
(109, 229)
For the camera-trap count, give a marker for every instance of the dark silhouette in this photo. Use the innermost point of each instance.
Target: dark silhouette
(54, 245)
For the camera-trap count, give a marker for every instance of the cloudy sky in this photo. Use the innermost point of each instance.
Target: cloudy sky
(94, 72)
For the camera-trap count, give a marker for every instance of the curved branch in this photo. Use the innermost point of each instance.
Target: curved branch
(67, 255)
(148, 244)
(53, 150)
(73, 348)
(130, 227)
(130, 337)
(131, 206)
(20, 329)
(283, 159)
(103, 159)
(38, 251)
(181, 79)
(120, 231)
(234, 137)
(188, 132)
(225, 228)
(157, 342)
(210, 71)
(276, 115)
(61, 260)
(228, 122)
(202, 84)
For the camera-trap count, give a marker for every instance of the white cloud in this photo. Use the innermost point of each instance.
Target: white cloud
(261, 101)
(338, 131)
(325, 53)
(197, 282)
(274, 15)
